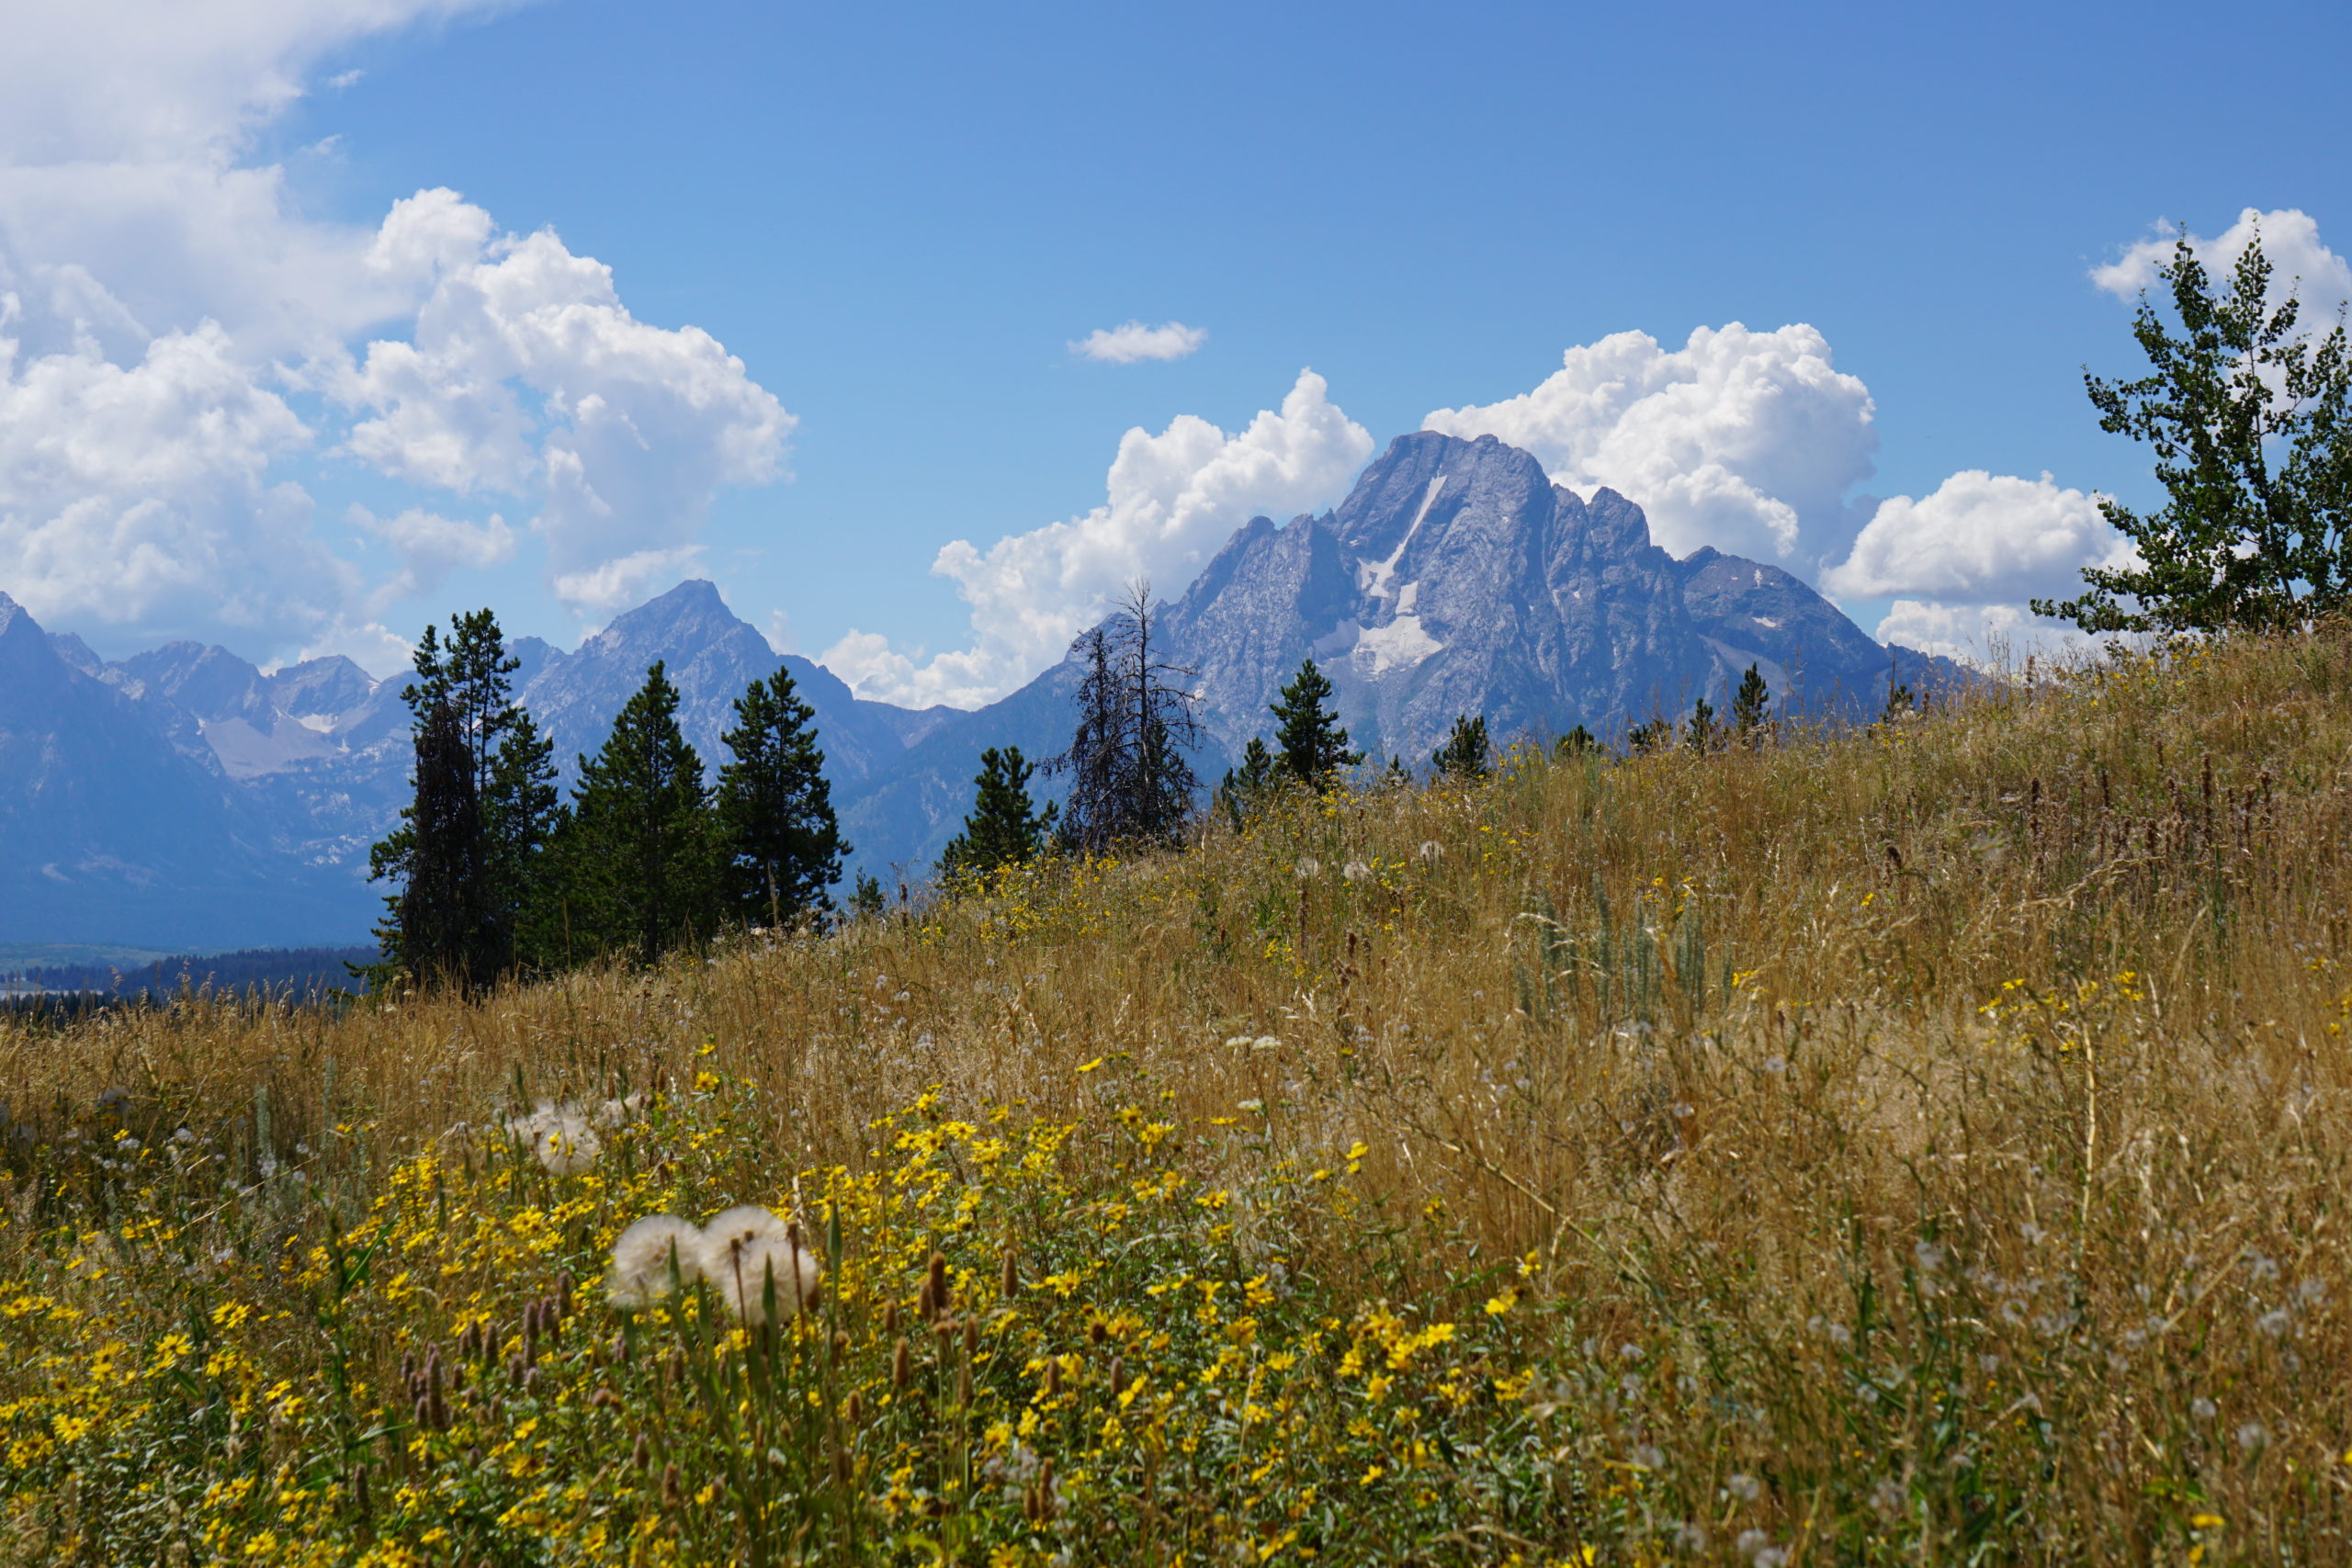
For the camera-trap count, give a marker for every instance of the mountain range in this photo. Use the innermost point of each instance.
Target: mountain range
(184, 798)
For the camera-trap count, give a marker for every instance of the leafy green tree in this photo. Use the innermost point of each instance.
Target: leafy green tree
(1004, 826)
(1467, 751)
(780, 845)
(1751, 706)
(1312, 745)
(640, 853)
(2251, 423)
(1701, 733)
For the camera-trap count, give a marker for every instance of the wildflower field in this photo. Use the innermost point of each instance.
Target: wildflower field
(1926, 1145)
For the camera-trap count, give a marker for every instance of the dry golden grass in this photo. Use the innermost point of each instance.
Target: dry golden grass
(1955, 1116)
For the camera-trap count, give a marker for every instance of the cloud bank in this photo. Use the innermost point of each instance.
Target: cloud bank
(1171, 501)
(1743, 440)
(1132, 341)
(180, 347)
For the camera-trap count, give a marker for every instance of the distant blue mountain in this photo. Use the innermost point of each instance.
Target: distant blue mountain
(182, 798)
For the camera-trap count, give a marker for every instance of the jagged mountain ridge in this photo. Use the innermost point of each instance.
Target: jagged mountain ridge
(115, 816)
(1455, 577)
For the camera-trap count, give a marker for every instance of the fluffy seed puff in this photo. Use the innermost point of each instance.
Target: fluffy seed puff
(641, 1260)
(746, 1248)
(563, 1140)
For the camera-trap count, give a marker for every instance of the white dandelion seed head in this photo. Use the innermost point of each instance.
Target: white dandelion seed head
(620, 1112)
(743, 1270)
(1744, 1487)
(1308, 868)
(566, 1145)
(2254, 1436)
(2203, 1409)
(738, 1226)
(1356, 870)
(641, 1260)
(1431, 852)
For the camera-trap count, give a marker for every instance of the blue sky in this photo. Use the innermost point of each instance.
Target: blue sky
(898, 219)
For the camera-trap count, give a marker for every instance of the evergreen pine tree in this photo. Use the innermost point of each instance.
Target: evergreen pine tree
(1654, 736)
(639, 853)
(1243, 787)
(780, 845)
(865, 900)
(1130, 781)
(1702, 732)
(1574, 743)
(521, 817)
(1314, 747)
(461, 694)
(1900, 701)
(437, 933)
(1751, 706)
(1004, 827)
(1464, 754)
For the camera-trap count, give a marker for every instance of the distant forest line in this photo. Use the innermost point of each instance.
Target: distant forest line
(300, 971)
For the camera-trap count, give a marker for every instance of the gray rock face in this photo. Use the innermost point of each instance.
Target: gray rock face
(1456, 578)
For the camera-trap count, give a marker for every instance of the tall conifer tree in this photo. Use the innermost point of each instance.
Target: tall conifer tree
(639, 853)
(1464, 754)
(1751, 706)
(462, 696)
(438, 932)
(1313, 745)
(1004, 826)
(1129, 779)
(780, 845)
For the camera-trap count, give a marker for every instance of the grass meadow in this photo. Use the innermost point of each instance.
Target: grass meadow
(1922, 1144)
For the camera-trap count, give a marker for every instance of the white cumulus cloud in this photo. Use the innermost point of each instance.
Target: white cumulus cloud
(161, 297)
(1743, 440)
(141, 494)
(1982, 538)
(2291, 242)
(526, 375)
(1961, 562)
(626, 581)
(430, 547)
(1132, 341)
(1993, 637)
(1174, 499)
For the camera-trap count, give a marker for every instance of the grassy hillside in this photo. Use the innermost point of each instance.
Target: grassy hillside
(1922, 1146)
